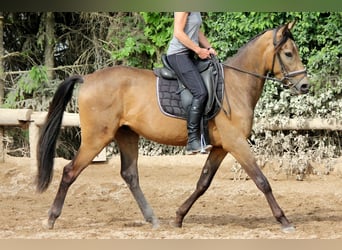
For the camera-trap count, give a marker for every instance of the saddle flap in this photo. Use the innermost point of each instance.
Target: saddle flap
(203, 65)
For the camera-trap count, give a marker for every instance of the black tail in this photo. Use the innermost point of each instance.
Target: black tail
(50, 131)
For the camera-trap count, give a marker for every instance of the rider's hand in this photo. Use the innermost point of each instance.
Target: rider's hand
(203, 53)
(212, 51)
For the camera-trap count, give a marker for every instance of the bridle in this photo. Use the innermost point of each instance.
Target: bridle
(287, 79)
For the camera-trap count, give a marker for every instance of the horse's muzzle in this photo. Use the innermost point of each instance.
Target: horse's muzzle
(304, 88)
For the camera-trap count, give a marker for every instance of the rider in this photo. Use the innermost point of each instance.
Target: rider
(188, 40)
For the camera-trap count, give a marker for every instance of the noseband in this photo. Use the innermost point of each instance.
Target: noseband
(287, 79)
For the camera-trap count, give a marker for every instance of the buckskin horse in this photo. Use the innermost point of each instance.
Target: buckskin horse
(120, 103)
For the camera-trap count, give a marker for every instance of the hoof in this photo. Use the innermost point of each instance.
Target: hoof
(47, 224)
(175, 224)
(155, 224)
(154, 221)
(288, 229)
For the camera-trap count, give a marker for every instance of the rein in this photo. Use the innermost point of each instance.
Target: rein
(267, 77)
(287, 76)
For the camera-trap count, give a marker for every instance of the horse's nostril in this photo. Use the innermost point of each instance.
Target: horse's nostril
(305, 87)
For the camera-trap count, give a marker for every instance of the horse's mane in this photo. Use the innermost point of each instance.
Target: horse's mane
(253, 39)
(247, 44)
(286, 35)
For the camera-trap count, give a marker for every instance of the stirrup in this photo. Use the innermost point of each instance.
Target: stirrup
(192, 151)
(205, 148)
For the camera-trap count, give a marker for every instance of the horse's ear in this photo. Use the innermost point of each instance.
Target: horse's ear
(291, 24)
(287, 27)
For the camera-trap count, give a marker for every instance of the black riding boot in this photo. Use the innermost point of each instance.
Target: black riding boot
(193, 125)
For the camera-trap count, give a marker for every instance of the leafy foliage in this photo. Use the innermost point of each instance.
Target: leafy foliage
(27, 88)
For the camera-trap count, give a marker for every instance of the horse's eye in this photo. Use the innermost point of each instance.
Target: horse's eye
(288, 54)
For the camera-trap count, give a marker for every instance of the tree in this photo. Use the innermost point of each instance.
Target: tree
(2, 71)
(49, 40)
(2, 82)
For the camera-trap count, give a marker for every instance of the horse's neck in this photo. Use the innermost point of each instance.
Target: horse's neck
(245, 88)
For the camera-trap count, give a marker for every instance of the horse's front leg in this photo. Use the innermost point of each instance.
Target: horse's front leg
(208, 172)
(242, 153)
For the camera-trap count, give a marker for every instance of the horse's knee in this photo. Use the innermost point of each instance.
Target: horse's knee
(263, 184)
(130, 178)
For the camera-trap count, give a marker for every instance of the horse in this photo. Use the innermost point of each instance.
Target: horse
(119, 104)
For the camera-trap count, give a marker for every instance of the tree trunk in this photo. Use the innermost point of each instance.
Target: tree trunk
(49, 43)
(2, 71)
(2, 82)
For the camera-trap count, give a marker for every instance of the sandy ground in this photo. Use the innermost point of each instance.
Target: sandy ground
(100, 206)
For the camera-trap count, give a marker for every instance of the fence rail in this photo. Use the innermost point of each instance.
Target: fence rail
(306, 124)
(34, 120)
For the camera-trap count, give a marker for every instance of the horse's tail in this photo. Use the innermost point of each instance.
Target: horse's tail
(50, 131)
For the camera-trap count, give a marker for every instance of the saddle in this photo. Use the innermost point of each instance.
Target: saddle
(174, 98)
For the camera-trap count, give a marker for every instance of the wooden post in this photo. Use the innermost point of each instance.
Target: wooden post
(33, 139)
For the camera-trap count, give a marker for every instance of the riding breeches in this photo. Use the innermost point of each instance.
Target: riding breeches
(187, 72)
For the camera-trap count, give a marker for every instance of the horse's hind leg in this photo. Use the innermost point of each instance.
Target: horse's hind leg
(71, 171)
(127, 141)
(208, 172)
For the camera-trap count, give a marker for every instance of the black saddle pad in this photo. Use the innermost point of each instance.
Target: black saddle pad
(170, 102)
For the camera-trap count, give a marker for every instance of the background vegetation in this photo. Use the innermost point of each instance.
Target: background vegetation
(40, 49)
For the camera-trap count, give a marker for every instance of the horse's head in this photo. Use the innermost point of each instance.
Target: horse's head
(287, 66)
